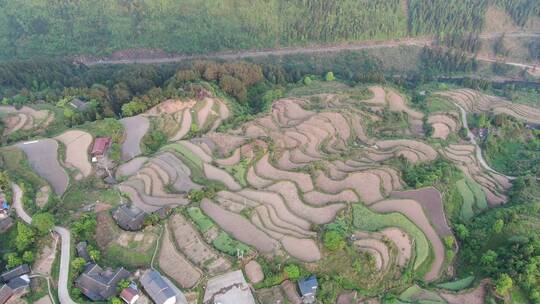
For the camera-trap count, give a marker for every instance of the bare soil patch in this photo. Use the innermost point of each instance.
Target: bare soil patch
(170, 106)
(320, 199)
(266, 170)
(131, 167)
(135, 128)
(254, 272)
(403, 243)
(77, 143)
(440, 130)
(176, 265)
(305, 250)
(366, 185)
(321, 215)
(42, 196)
(217, 174)
(476, 295)
(239, 227)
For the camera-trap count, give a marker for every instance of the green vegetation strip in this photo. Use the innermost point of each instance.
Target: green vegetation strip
(479, 195)
(468, 199)
(457, 285)
(365, 219)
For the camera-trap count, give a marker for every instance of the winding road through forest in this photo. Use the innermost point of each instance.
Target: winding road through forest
(310, 49)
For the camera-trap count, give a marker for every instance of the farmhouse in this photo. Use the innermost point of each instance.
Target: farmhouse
(5, 293)
(15, 273)
(99, 284)
(229, 288)
(78, 104)
(129, 218)
(160, 290)
(101, 144)
(308, 287)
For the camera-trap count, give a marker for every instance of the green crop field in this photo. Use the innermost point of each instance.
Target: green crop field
(365, 219)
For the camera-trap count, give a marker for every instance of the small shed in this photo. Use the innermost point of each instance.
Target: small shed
(308, 287)
(130, 295)
(82, 251)
(101, 144)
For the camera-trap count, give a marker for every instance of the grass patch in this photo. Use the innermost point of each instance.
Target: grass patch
(131, 259)
(89, 191)
(438, 104)
(365, 219)
(224, 243)
(416, 294)
(457, 285)
(202, 221)
(239, 171)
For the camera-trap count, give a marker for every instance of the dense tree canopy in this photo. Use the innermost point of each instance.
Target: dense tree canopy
(30, 28)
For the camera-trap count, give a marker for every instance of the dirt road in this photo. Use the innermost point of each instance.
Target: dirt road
(311, 49)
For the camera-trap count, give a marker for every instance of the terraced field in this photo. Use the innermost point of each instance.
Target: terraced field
(477, 102)
(285, 173)
(24, 119)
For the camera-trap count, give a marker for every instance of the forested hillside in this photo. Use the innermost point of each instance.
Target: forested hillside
(30, 28)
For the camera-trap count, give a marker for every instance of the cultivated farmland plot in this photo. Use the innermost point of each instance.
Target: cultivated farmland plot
(43, 158)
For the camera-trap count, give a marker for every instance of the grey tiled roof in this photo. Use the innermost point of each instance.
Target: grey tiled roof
(129, 218)
(156, 287)
(99, 284)
(15, 272)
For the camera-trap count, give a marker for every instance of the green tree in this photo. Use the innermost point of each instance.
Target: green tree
(503, 284)
(329, 76)
(307, 80)
(12, 260)
(292, 271)
(123, 284)
(498, 226)
(94, 254)
(77, 264)
(333, 241)
(449, 242)
(462, 232)
(115, 300)
(28, 257)
(488, 258)
(25, 236)
(43, 222)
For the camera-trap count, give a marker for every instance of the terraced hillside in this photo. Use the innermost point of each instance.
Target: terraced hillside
(284, 174)
(278, 186)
